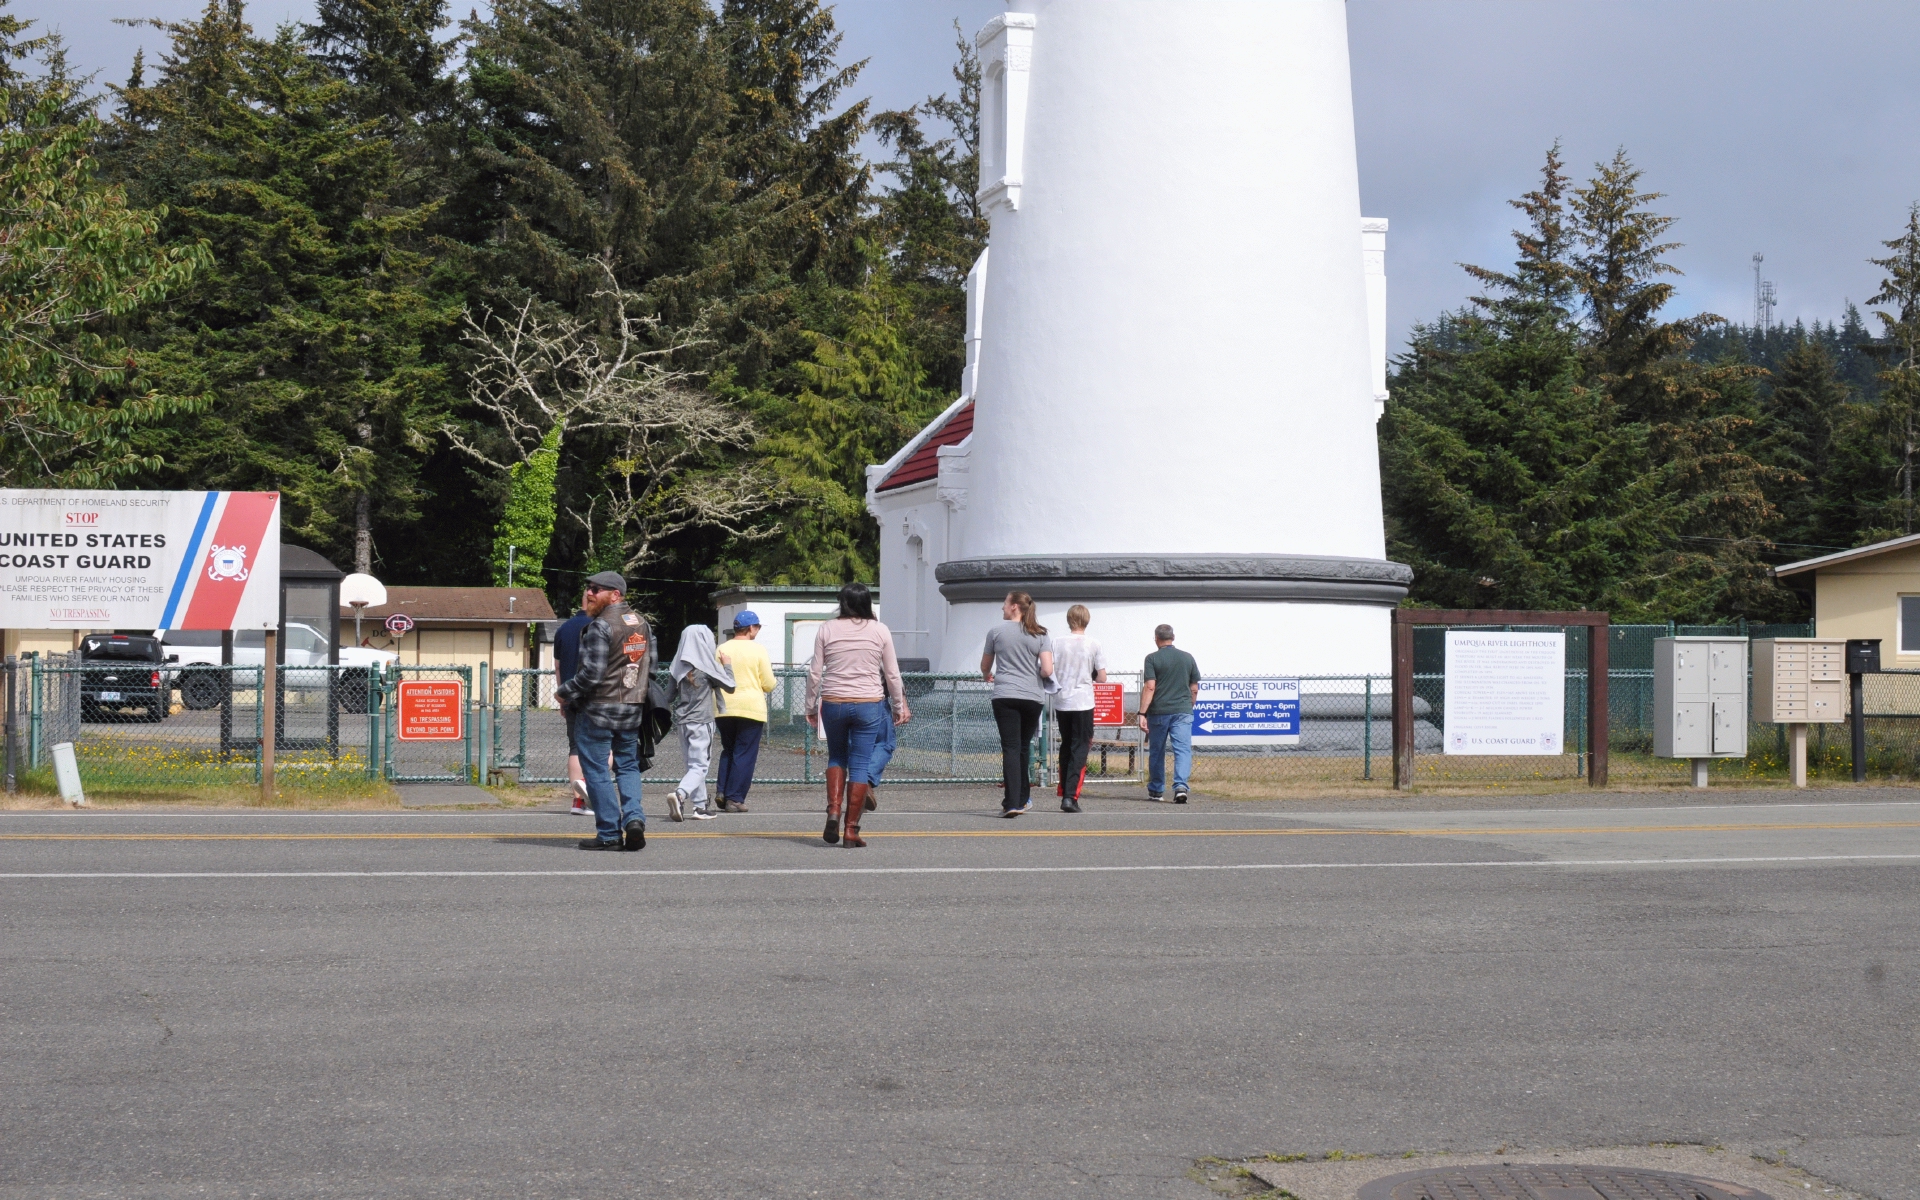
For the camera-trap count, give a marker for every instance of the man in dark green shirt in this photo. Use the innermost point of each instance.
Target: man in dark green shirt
(1169, 682)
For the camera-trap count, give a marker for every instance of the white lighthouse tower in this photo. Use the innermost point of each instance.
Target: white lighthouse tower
(1175, 351)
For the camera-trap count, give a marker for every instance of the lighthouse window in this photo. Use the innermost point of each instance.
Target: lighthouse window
(993, 124)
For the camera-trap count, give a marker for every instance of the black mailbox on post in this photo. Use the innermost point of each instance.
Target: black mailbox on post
(1863, 656)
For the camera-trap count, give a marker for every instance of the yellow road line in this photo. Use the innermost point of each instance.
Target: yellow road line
(498, 835)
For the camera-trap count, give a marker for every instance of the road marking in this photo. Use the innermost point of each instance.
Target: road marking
(1351, 866)
(1438, 831)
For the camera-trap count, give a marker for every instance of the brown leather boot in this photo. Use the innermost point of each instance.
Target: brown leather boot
(856, 805)
(836, 797)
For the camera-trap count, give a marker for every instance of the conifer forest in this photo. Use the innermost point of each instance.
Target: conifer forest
(643, 284)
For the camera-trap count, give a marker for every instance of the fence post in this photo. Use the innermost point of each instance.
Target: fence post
(1366, 732)
(1598, 635)
(1402, 702)
(36, 689)
(376, 678)
(477, 732)
(269, 715)
(13, 695)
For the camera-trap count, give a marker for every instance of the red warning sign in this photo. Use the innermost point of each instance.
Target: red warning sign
(1109, 704)
(431, 711)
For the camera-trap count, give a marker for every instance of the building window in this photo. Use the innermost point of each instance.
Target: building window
(1910, 624)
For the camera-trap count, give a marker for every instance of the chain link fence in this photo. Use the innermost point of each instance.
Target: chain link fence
(160, 727)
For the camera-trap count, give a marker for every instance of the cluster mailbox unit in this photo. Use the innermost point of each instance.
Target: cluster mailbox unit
(1799, 682)
(1700, 700)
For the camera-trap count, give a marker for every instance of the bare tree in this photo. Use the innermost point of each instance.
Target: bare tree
(670, 464)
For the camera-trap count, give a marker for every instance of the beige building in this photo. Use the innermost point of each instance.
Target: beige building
(1868, 592)
(465, 626)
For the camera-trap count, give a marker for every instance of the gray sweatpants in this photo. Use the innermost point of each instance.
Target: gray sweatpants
(696, 744)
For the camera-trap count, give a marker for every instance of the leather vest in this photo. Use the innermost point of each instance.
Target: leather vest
(633, 657)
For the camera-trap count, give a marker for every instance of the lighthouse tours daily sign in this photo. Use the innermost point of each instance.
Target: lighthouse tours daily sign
(139, 560)
(1247, 712)
(1506, 693)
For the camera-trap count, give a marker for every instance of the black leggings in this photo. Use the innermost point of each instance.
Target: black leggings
(1018, 720)
(1076, 738)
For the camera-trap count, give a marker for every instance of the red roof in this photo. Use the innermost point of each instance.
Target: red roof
(924, 463)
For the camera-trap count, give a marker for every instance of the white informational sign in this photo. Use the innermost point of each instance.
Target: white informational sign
(139, 560)
(1247, 712)
(1506, 693)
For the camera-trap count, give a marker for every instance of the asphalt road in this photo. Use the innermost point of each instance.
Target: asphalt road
(453, 1005)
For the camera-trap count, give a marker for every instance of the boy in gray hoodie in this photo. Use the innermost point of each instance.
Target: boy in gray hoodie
(697, 668)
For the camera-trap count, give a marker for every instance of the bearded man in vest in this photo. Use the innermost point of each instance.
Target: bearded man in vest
(609, 692)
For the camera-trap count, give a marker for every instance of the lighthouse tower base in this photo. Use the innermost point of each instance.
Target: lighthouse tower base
(1243, 615)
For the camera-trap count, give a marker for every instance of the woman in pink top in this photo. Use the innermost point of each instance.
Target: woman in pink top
(854, 672)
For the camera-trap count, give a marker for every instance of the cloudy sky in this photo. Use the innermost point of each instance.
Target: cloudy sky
(1791, 129)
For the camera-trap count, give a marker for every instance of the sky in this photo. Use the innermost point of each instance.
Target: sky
(1784, 128)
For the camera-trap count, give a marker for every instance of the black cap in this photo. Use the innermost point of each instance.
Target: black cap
(608, 581)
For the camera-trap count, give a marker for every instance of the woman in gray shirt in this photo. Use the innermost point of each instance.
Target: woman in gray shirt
(1018, 662)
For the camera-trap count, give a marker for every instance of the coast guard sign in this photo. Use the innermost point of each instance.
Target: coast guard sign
(139, 560)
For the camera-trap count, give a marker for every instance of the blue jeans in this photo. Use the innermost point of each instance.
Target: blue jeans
(852, 731)
(1162, 727)
(883, 749)
(739, 753)
(614, 805)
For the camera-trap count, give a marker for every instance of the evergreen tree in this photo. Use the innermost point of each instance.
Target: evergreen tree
(930, 218)
(309, 333)
(1536, 455)
(862, 393)
(1800, 412)
(75, 259)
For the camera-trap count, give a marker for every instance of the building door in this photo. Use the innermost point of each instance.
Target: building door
(455, 647)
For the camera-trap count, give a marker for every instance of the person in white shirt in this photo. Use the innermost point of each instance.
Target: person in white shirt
(1078, 664)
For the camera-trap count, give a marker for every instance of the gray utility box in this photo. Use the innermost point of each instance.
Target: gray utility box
(1700, 697)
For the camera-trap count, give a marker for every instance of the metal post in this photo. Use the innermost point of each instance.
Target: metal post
(13, 695)
(1597, 733)
(476, 730)
(269, 715)
(484, 707)
(1857, 692)
(1366, 733)
(36, 695)
(1798, 754)
(376, 679)
(953, 728)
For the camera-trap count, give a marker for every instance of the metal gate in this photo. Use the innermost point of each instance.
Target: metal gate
(435, 761)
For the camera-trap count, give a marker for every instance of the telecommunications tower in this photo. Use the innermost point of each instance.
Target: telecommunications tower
(1762, 297)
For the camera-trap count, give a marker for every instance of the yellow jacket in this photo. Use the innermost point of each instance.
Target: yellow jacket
(752, 680)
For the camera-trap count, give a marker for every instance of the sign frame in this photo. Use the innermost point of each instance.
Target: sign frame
(1404, 620)
(420, 705)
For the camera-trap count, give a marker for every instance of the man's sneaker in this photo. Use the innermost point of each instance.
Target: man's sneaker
(597, 844)
(674, 799)
(634, 836)
(732, 806)
(1025, 808)
(1179, 797)
(1009, 813)
(1155, 797)
(701, 812)
(1069, 806)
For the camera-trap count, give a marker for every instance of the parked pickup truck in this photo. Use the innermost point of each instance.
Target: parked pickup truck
(306, 646)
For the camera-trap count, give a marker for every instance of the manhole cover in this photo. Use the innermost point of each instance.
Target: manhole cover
(1551, 1181)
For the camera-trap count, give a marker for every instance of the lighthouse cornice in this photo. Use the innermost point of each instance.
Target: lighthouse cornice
(1301, 577)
